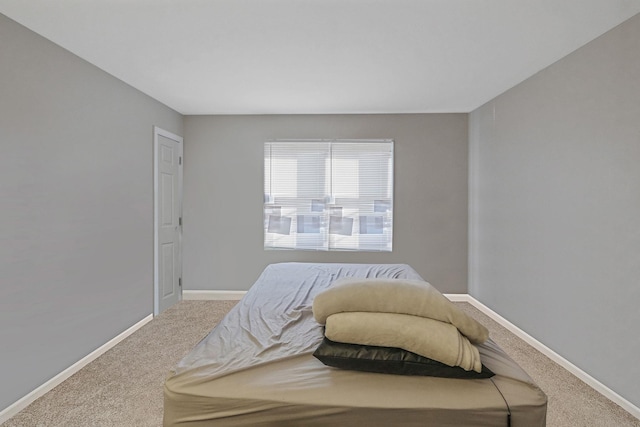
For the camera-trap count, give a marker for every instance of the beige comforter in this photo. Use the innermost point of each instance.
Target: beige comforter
(408, 314)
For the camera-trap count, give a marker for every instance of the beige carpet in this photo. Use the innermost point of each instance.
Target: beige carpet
(123, 387)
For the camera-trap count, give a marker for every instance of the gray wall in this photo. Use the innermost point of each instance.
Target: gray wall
(76, 235)
(555, 202)
(223, 195)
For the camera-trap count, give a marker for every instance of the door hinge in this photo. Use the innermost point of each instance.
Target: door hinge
(180, 160)
(180, 221)
(180, 281)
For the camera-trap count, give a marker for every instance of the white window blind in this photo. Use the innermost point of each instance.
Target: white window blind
(328, 195)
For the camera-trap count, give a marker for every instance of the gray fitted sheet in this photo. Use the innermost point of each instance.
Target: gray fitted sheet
(256, 368)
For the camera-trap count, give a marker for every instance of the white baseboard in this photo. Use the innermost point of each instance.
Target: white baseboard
(588, 379)
(457, 297)
(212, 295)
(25, 401)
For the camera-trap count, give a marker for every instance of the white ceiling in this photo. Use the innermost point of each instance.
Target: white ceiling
(321, 56)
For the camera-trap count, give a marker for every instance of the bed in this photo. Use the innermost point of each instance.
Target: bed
(256, 368)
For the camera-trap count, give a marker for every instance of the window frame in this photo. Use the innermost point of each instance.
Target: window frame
(377, 223)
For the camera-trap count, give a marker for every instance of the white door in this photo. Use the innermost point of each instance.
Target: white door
(167, 220)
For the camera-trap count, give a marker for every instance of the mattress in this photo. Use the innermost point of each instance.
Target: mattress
(256, 368)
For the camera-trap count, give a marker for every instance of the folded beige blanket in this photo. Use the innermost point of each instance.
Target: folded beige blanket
(427, 337)
(400, 296)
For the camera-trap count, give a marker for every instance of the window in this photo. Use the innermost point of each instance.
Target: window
(328, 195)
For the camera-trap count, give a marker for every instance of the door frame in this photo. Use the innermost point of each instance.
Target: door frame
(156, 215)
